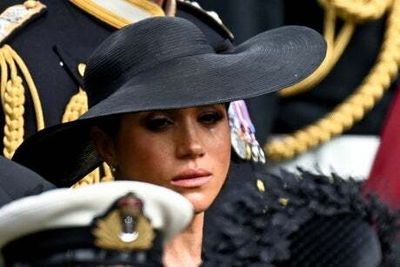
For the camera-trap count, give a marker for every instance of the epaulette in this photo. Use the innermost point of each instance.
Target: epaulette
(117, 16)
(16, 16)
(210, 16)
(119, 13)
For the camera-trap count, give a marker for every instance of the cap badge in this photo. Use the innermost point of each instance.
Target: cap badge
(124, 227)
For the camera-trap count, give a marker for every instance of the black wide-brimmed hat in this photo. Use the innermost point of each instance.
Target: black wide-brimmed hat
(166, 63)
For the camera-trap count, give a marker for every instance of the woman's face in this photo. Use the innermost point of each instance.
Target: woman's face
(186, 150)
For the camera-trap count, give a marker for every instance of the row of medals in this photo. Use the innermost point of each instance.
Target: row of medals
(243, 137)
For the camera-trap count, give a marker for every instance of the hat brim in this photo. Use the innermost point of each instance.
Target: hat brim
(62, 209)
(268, 62)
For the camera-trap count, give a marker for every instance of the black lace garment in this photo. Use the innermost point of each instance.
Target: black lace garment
(301, 220)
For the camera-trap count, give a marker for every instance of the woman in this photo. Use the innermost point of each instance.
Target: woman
(158, 111)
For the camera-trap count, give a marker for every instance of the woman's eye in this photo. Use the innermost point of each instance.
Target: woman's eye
(210, 118)
(158, 124)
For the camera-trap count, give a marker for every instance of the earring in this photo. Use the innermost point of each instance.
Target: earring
(113, 169)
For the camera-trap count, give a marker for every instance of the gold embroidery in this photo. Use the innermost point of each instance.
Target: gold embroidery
(13, 99)
(364, 98)
(113, 19)
(76, 107)
(125, 227)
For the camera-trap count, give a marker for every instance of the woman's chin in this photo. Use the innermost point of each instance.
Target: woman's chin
(199, 201)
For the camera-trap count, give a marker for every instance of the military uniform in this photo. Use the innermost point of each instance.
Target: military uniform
(349, 105)
(17, 181)
(53, 45)
(56, 41)
(243, 177)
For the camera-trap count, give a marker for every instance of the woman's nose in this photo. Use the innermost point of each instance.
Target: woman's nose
(189, 144)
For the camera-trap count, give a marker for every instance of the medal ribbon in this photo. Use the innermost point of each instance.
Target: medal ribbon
(242, 123)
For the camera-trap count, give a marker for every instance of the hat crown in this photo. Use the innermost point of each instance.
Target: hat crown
(137, 48)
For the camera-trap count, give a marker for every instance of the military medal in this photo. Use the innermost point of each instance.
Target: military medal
(257, 152)
(238, 145)
(254, 153)
(243, 137)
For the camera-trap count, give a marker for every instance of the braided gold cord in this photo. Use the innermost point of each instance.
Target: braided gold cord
(37, 105)
(355, 106)
(13, 107)
(78, 105)
(358, 10)
(335, 49)
(108, 176)
(91, 178)
(94, 177)
(13, 99)
(352, 13)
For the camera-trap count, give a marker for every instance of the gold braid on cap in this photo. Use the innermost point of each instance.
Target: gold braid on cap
(13, 99)
(365, 96)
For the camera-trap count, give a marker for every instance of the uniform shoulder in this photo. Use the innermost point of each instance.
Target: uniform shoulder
(16, 181)
(209, 17)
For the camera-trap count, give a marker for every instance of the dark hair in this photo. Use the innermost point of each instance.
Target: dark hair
(110, 124)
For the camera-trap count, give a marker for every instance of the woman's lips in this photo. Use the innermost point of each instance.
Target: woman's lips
(192, 178)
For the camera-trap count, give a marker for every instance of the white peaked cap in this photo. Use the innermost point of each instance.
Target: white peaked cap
(168, 211)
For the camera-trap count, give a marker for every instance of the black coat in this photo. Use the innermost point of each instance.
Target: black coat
(305, 219)
(17, 181)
